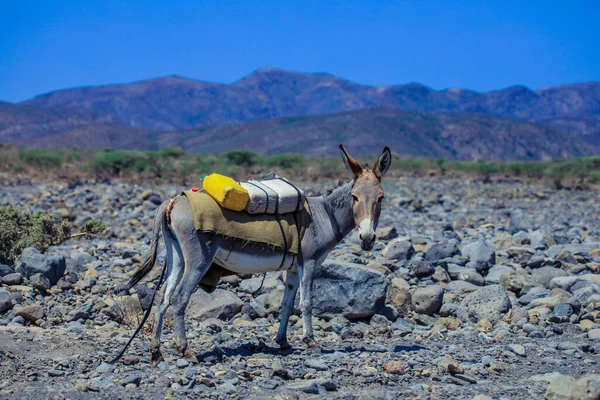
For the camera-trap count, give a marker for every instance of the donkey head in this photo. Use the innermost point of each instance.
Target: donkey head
(367, 194)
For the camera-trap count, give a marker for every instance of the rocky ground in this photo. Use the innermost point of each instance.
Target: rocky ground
(473, 290)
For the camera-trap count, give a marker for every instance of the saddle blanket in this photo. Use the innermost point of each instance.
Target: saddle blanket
(275, 232)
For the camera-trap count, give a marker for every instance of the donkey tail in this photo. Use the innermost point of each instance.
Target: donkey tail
(159, 219)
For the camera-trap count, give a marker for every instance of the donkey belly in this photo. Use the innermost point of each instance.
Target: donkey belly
(251, 260)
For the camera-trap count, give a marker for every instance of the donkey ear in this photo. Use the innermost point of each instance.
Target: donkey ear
(350, 162)
(383, 163)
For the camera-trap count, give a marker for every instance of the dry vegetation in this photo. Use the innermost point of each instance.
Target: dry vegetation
(172, 165)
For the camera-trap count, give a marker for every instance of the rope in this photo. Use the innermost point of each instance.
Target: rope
(162, 275)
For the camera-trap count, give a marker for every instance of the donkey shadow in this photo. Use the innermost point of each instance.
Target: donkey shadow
(249, 349)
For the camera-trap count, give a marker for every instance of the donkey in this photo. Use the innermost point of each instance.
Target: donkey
(191, 253)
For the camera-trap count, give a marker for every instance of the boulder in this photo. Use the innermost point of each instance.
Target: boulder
(4, 270)
(440, 251)
(221, 304)
(398, 295)
(33, 262)
(421, 267)
(428, 300)
(490, 303)
(480, 251)
(348, 289)
(586, 388)
(5, 301)
(31, 313)
(398, 249)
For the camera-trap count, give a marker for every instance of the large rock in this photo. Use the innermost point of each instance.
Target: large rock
(33, 262)
(398, 249)
(440, 251)
(32, 313)
(480, 251)
(221, 304)
(398, 295)
(348, 289)
(490, 303)
(541, 239)
(544, 275)
(428, 300)
(5, 301)
(421, 267)
(586, 388)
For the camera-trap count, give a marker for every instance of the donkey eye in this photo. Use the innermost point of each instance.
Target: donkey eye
(354, 199)
(379, 200)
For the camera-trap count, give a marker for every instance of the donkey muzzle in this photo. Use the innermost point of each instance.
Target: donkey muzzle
(366, 234)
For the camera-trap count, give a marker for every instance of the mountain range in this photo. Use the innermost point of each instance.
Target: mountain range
(271, 111)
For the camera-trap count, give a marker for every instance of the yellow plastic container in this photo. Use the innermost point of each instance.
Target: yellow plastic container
(227, 192)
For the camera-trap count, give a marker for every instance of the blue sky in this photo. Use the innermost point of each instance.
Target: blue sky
(50, 45)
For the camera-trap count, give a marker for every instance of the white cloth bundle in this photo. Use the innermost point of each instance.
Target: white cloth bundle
(274, 196)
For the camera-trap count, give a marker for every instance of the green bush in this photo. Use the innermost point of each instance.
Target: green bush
(284, 160)
(172, 152)
(19, 229)
(117, 161)
(40, 158)
(242, 158)
(594, 176)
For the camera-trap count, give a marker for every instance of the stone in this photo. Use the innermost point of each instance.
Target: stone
(386, 233)
(440, 251)
(105, 368)
(395, 367)
(544, 275)
(33, 262)
(421, 267)
(311, 386)
(495, 273)
(316, 364)
(252, 285)
(451, 365)
(398, 249)
(440, 275)
(6, 302)
(428, 300)
(518, 349)
(594, 334)
(221, 304)
(12, 279)
(40, 282)
(144, 294)
(480, 251)
(5, 270)
(541, 240)
(586, 388)
(31, 313)
(559, 388)
(489, 302)
(348, 289)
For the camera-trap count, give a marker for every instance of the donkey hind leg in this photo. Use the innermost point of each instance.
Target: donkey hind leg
(291, 286)
(198, 255)
(173, 275)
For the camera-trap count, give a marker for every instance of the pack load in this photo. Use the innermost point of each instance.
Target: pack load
(226, 191)
(272, 196)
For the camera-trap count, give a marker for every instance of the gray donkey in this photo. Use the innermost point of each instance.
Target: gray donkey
(191, 253)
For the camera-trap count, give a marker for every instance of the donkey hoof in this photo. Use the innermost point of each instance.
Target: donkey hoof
(310, 342)
(284, 345)
(156, 357)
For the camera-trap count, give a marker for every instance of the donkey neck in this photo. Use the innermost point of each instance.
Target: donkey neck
(339, 210)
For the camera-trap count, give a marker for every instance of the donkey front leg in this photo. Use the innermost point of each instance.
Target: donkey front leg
(291, 286)
(306, 300)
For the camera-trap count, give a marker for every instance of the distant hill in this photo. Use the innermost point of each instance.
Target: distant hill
(272, 111)
(465, 136)
(20, 122)
(172, 103)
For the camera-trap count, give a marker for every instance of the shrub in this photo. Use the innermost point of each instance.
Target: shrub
(172, 152)
(19, 229)
(117, 161)
(40, 158)
(284, 160)
(242, 158)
